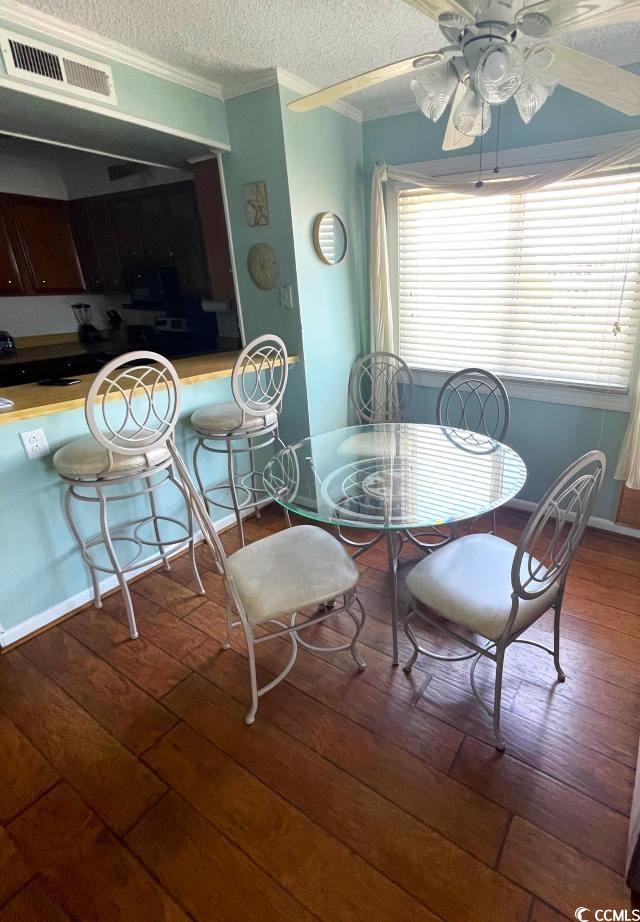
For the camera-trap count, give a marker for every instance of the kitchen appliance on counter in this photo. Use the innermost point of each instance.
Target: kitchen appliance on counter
(7, 343)
(87, 333)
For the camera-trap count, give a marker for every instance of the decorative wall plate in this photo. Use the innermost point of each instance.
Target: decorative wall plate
(264, 266)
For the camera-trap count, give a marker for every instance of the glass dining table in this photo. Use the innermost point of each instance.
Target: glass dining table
(396, 481)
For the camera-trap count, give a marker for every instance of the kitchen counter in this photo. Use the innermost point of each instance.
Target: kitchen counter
(32, 400)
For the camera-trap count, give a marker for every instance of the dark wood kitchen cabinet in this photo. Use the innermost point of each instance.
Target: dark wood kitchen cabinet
(214, 228)
(154, 229)
(123, 212)
(186, 240)
(87, 248)
(10, 281)
(43, 244)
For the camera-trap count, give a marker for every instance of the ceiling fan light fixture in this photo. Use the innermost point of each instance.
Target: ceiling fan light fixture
(532, 95)
(534, 23)
(499, 73)
(473, 115)
(433, 88)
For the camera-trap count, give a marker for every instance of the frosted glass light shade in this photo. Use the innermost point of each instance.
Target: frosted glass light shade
(532, 95)
(473, 115)
(499, 73)
(433, 88)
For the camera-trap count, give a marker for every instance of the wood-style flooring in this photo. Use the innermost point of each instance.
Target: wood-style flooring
(131, 789)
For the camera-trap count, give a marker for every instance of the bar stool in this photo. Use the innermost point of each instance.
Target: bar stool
(131, 410)
(244, 425)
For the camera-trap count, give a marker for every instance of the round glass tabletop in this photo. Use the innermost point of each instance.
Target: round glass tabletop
(394, 475)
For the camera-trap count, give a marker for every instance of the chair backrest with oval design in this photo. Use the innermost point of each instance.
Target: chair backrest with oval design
(133, 404)
(549, 542)
(476, 400)
(380, 388)
(260, 375)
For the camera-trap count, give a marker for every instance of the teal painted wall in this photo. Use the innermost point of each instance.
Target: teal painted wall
(547, 435)
(258, 153)
(324, 156)
(151, 98)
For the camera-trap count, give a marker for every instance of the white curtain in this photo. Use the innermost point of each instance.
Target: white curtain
(628, 468)
(382, 324)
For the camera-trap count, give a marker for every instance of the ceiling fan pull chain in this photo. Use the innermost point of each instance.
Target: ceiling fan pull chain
(480, 183)
(496, 168)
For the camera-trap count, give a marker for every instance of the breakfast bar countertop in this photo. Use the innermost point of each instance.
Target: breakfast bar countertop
(33, 400)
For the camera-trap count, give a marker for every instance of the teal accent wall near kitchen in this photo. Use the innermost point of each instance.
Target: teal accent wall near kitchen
(324, 157)
(258, 153)
(547, 435)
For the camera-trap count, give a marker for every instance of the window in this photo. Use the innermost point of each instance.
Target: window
(542, 287)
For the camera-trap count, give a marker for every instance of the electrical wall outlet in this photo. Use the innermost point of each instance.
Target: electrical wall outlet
(35, 443)
(286, 297)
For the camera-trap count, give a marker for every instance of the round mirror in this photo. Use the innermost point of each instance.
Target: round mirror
(329, 238)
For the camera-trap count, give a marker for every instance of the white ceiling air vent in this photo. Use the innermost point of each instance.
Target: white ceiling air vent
(47, 65)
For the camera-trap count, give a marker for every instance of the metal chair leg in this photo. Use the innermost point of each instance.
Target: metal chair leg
(557, 608)
(254, 475)
(227, 610)
(412, 638)
(156, 526)
(232, 488)
(497, 699)
(251, 716)
(106, 537)
(97, 599)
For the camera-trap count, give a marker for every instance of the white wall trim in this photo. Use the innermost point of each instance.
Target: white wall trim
(594, 522)
(279, 76)
(116, 114)
(53, 27)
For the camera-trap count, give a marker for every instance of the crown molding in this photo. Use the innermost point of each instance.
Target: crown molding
(278, 76)
(251, 82)
(21, 15)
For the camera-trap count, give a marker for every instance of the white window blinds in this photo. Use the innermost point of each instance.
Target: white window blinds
(542, 286)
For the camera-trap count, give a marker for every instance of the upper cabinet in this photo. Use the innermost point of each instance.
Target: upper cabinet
(92, 244)
(10, 281)
(214, 227)
(38, 247)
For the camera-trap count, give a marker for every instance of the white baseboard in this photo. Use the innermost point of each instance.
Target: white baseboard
(36, 622)
(594, 522)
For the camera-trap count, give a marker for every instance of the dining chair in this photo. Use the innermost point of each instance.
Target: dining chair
(380, 388)
(241, 426)
(269, 583)
(496, 590)
(131, 411)
(475, 400)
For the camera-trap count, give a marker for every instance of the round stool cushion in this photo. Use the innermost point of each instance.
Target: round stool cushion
(223, 418)
(86, 459)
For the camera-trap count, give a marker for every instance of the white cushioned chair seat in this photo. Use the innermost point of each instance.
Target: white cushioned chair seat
(468, 582)
(291, 570)
(86, 459)
(222, 418)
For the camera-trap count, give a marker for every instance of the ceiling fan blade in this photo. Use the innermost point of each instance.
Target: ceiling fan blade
(361, 82)
(454, 139)
(619, 89)
(434, 8)
(564, 15)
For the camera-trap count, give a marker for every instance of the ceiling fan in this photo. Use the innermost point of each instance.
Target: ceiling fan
(498, 50)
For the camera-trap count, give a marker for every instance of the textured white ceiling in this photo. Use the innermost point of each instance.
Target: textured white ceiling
(322, 41)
